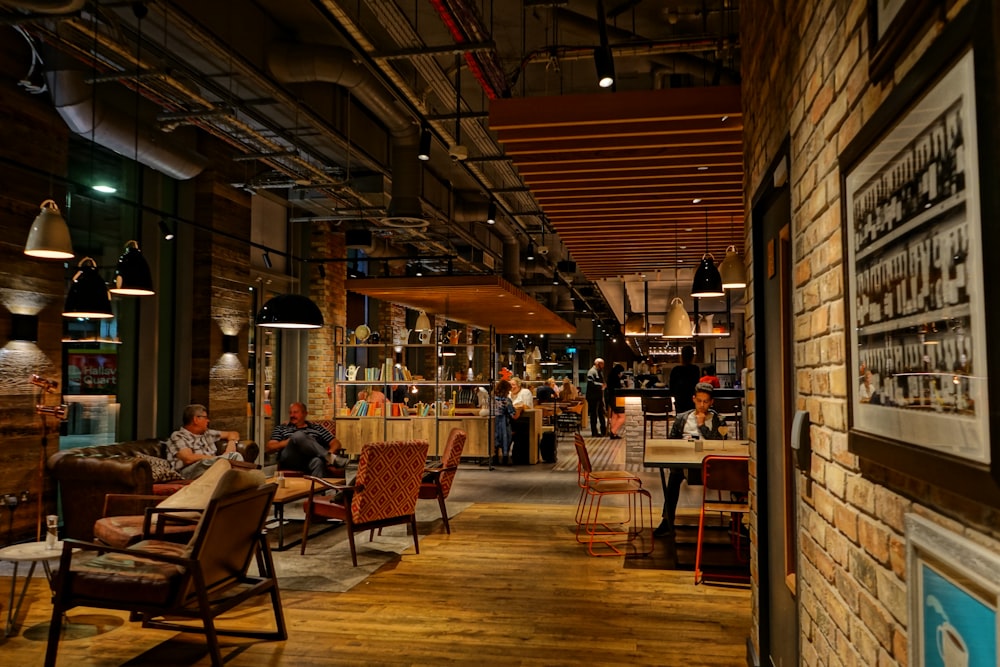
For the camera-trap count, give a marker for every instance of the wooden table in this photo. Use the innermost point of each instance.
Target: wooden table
(665, 454)
(31, 552)
(295, 488)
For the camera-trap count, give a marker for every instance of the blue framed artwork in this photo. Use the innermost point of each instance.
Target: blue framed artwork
(954, 589)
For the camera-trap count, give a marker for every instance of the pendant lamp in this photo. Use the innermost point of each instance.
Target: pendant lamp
(49, 235)
(707, 281)
(677, 323)
(423, 322)
(132, 275)
(732, 271)
(518, 346)
(290, 311)
(88, 293)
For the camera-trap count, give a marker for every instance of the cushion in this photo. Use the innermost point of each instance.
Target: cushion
(121, 531)
(197, 494)
(129, 578)
(162, 470)
(238, 480)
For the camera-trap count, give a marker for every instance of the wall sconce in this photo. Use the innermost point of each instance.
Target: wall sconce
(24, 327)
(230, 344)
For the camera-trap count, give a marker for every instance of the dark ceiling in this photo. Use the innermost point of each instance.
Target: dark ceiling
(608, 192)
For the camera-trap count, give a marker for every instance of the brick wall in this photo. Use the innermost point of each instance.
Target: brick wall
(326, 289)
(806, 78)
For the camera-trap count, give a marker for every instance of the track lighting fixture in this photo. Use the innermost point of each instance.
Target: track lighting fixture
(267, 259)
(168, 234)
(491, 213)
(530, 254)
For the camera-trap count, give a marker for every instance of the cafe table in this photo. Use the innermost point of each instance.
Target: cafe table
(688, 454)
(33, 553)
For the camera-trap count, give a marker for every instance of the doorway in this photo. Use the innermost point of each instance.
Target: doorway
(774, 349)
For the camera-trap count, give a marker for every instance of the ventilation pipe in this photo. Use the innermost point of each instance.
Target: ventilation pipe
(312, 63)
(476, 212)
(116, 130)
(50, 6)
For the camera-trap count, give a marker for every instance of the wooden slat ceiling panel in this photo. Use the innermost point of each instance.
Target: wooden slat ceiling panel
(480, 301)
(617, 174)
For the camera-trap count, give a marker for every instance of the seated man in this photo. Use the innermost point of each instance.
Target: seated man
(702, 422)
(191, 448)
(302, 445)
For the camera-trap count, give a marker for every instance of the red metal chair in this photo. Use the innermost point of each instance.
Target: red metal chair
(600, 485)
(437, 482)
(728, 478)
(384, 492)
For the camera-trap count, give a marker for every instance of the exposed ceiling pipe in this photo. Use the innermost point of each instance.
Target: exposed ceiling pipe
(116, 130)
(49, 6)
(465, 211)
(312, 63)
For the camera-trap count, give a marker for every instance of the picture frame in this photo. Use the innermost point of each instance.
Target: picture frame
(953, 595)
(893, 25)
(917, 306)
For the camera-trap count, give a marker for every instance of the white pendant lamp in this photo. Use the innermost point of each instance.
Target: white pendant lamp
(423, 322)
(733, 272)
(49, 235)
(677, 323)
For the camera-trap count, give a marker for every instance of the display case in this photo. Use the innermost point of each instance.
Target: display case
(401, 390)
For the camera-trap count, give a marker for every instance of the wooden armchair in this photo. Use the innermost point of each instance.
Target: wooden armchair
(437, 481)
(156, 579)
(384, 492)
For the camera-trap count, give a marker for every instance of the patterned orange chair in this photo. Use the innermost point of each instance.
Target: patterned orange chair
(437, 481)
(383, 493)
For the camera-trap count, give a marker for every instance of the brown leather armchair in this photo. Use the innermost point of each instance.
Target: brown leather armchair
(87, 474)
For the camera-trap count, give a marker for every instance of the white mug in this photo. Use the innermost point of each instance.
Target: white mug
(424, 336)
(951, 647)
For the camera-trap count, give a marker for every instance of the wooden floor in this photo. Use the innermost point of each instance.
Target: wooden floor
(509, 586)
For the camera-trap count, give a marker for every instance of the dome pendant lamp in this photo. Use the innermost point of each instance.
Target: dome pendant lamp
(132, 275)
(290, 311)
(677, 323)
(732, 271)
(707, 280)
(49, 235)
(88, 295)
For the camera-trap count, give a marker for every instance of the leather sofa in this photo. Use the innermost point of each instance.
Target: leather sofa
(86, 474)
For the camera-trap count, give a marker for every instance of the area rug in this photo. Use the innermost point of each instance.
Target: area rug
(326, 565)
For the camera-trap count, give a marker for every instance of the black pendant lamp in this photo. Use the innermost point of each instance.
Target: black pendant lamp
(132, 275)
(707, 279)
(88, 293)
(290, 311)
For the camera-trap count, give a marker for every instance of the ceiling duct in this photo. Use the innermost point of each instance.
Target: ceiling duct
(87, 116)
(49, 6)
(313, 63)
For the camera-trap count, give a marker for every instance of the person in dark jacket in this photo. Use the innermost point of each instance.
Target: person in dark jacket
(595, 398)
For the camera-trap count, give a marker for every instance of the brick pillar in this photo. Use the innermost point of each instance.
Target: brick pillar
(326, 289)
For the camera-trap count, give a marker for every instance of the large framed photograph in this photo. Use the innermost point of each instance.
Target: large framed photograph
(917, 302)
(893, 25)
(953, 595)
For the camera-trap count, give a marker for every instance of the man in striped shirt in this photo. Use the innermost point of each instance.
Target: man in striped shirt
(302, 445)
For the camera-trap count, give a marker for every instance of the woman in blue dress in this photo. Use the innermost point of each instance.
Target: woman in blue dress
(503, 414)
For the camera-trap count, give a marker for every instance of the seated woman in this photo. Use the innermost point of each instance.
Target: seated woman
(569, 391)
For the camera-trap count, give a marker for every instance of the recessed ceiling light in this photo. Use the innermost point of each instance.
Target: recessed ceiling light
(725, 118)
(702, 168)
(106, 189)
(688, 229)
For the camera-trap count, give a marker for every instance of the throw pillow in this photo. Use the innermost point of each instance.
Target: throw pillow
(162, 470)
(197, 494)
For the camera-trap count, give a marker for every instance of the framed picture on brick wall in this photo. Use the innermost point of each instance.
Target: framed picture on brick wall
(953, 592)
(918, 306)
(893, 26)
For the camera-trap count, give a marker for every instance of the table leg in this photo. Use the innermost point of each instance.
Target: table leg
(279, 514)
(12, 611)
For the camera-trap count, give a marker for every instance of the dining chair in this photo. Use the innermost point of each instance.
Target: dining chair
(437, 481)
(731, 409)
(655, 410)
(727, 480)
(595, 487)
(384, 492)
(158, 580)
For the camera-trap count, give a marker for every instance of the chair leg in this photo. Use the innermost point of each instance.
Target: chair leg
(55, 630)
(444, 514)
(350, 538)
(413, 526)
(305, 533)
(697, 552)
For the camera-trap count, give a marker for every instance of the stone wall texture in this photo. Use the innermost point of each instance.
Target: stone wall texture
(806, 79)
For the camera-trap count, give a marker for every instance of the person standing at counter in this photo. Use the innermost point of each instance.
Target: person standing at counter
(616, 415)
(504, 415)
(595, 398)
(699, 422)
(683, 379)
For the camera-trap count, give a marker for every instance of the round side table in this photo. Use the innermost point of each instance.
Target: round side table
(29, 552)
